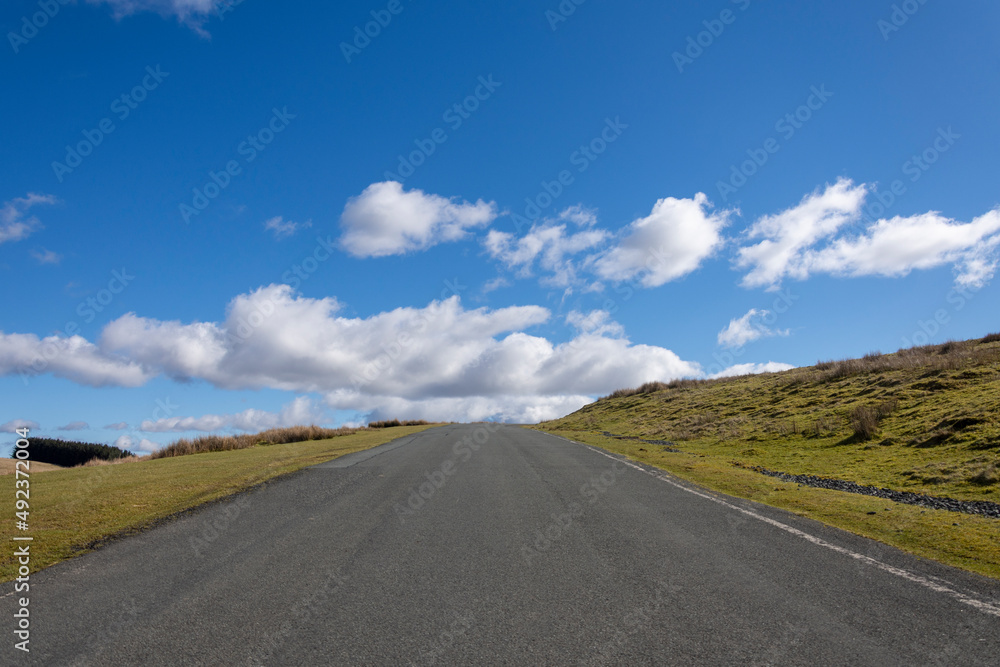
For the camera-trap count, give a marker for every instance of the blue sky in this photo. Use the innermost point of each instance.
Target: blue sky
(223, 216)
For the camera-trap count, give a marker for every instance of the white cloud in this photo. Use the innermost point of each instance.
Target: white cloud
(180, 8)
(595, 322)
(119, 426)
(75, 426)
(548, 244)
(788, 233)
(671, 242)
(300, 344)
(15, 223)
(496, 283)
(300, 412)
(748, 328)
(46, 256)
(384, 220)
(803, 241)
(147, 446)
(130, 443)
(181, 351)
(900, 245)
(751, 369)
(808, 238)
(282, 228)
(179, 424)
(193, 13)
(516, 409)
(478, 361)
(580, 216)
(14, 424)
(72, 358)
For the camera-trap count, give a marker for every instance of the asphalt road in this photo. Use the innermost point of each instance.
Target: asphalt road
(480, 545)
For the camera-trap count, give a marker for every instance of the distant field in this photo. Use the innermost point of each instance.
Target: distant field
(7, 467)
(73, 508)
(924, 420)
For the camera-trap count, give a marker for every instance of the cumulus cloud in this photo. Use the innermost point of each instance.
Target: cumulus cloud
(300, 412)
(147, 446)
(748, 328)
(549, 244)
(900, 245)
(73, 358)
(181, 351)
(386, 220)
(14, 424)
(272, 338)
(751, 369)
(595, 322)
(282, 229)
(482, 361)
(786, 234)
(808, 239)
(302, 345)
(75, 426)
(580, 216)
(517, 409)
(671, 242)
(15, 222)
(136, 445)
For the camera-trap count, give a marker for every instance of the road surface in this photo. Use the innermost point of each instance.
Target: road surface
(479, 544)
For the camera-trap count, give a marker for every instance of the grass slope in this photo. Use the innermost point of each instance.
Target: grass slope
(925, 420)
(74, 508)
(7, 467)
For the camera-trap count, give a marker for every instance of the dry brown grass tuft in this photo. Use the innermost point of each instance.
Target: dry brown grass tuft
(654, 387)
(391, 423)
(111, 462)
(886, 407)
(621, 393)
(864, 422)
(865, 418)
(687, 383)
(274, 436)
(951, 355)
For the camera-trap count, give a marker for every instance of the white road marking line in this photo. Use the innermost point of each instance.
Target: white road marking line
(984, 607)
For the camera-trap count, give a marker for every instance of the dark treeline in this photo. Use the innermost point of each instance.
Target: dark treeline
(68, 453)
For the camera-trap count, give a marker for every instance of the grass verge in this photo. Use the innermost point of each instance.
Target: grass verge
(73, 509)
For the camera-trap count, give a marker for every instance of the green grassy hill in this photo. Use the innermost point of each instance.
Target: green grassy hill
(925, 420)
